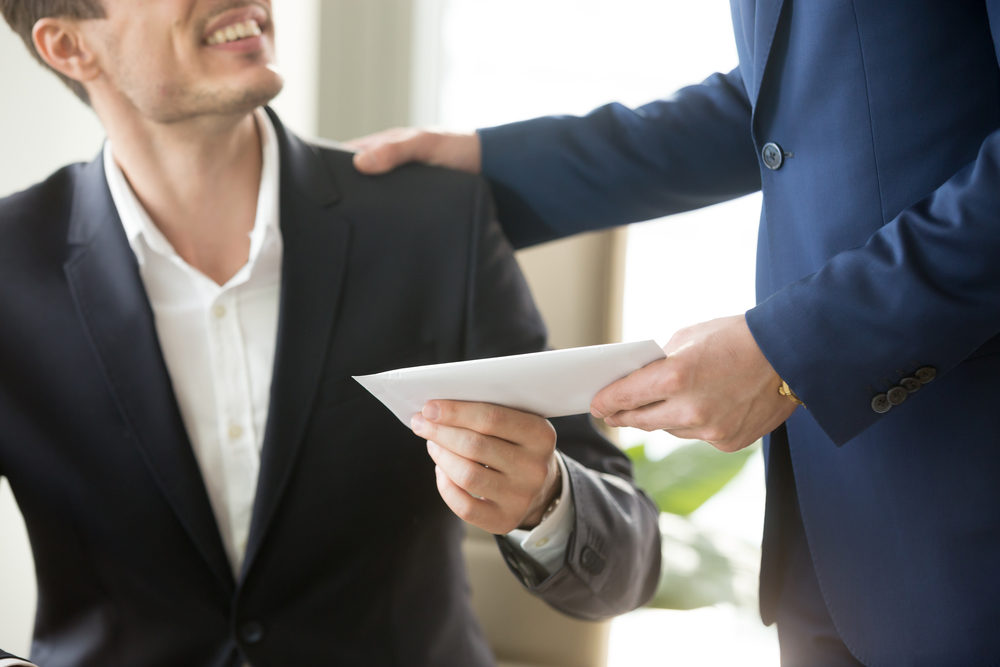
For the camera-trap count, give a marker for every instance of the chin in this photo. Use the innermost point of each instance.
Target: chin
(190, 105)
(254, 94)
(252, 98)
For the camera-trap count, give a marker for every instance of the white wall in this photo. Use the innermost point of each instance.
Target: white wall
(42, 125)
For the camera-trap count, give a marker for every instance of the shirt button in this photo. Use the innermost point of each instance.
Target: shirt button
(542, 542)
(251, 632)
(235, 432)
(772, 155)
(219, 311)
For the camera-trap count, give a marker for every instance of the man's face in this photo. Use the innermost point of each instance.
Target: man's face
(173, 60)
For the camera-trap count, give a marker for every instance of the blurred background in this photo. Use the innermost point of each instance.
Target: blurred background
(357, 66)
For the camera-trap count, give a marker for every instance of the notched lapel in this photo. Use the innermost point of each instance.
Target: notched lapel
(104, 281)
(766, 14)
(315, 239)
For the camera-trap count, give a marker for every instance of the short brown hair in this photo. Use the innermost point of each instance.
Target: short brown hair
(21, 16)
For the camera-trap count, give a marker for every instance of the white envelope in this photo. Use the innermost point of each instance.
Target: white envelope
(551, 384)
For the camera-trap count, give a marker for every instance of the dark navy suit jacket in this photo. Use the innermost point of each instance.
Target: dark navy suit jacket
(353, 558)
(878, 285)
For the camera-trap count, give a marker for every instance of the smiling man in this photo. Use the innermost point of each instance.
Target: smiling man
(202, 481)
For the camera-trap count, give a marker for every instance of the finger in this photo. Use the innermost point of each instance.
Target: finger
(517, 427)
(380, 137)
(477, 511)
(650, 384)
(470, 476)
(382, 154)
(651, 417)
(670, 416)
(486, 450)
(682, 420)
(377, 159)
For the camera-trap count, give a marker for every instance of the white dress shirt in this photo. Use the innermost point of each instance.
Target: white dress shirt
(218, 343)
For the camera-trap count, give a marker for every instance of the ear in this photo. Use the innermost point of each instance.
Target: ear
(61, 45)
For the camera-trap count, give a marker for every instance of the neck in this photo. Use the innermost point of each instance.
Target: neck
(199, 182)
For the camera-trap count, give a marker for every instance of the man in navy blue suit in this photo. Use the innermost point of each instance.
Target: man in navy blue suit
(873, 130)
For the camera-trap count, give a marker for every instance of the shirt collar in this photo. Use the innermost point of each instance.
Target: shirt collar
(143, 235)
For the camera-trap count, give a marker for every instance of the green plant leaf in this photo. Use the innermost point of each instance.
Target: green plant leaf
(681, 481)
(702, 567)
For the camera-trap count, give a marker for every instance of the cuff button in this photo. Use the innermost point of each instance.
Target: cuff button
(897, 395)
(881, 404)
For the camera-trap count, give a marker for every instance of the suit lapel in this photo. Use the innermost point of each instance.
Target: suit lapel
(315, 243)
(766, 15)
(104, 281)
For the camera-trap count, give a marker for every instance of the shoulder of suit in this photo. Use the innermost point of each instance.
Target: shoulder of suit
(42, 203)
(340, 158)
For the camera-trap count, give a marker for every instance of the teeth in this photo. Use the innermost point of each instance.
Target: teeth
(248, 28)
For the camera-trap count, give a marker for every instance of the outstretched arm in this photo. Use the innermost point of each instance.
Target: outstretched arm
(612, 556)
(559, 175)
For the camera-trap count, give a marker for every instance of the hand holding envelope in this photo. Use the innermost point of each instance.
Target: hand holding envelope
(485, 424)
(496, 467)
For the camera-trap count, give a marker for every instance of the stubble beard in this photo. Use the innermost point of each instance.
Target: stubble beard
(181, 104)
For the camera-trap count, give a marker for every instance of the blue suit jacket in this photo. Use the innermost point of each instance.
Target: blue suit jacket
(353, 559)
(878, 270)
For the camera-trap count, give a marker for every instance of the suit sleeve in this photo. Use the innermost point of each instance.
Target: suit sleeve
(613, 557)
(560, 175)
(933, 269)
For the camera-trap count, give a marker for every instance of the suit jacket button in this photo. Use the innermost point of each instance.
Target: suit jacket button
(881, 404)
(772, 155)
(925, 374)
(897, 395)
(910, 384)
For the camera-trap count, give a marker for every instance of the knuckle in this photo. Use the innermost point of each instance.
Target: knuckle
(669, 383)
(488, 419)
(624, 398)
(691, 415)
(446, 411)
(466, 509)
(466, 476)
(471, 442)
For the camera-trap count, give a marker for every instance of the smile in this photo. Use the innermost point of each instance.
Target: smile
(234, 32)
